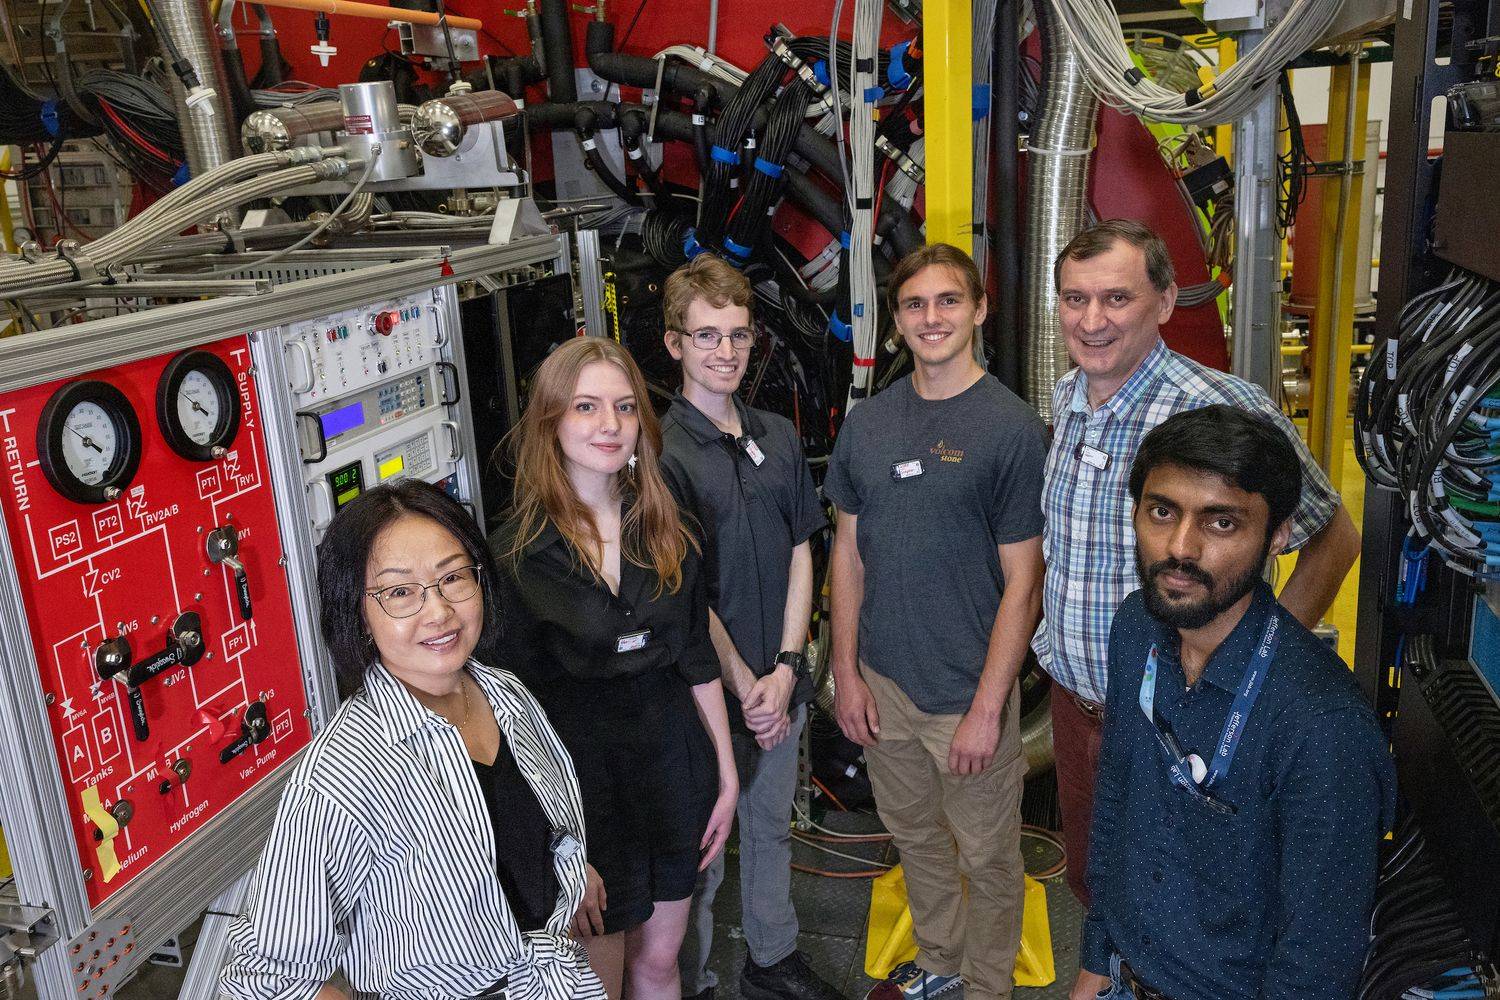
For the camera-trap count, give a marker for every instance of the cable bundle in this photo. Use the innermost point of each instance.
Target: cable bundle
(752, 217)
(1414, 934)
(1427, 420)
(863, 292)
(25, 120)
(141, 121)
(1094, 28)
(730, 146)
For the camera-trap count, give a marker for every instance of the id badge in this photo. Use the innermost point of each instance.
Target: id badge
(632, 641)
(752, 449)
(1093, 457)
(564, 844)
(909, 469)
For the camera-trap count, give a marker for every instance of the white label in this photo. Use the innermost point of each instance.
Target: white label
(1390, 359)
(631, 641)
(753, 450)
(909, 469)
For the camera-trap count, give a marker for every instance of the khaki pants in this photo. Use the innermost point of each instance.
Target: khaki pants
(955, 833)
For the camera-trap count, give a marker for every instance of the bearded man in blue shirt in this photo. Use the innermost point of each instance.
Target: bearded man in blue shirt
(1244, 783)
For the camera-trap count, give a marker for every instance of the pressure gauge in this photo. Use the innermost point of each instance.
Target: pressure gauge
(88, 441)
(197, 405)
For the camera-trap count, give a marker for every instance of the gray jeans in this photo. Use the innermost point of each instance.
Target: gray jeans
(768, 782)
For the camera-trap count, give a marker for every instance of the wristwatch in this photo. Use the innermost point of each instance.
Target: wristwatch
(795, 660)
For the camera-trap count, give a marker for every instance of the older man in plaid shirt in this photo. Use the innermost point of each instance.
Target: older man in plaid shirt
(1115, 289)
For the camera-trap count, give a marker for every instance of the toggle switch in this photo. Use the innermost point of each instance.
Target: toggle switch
(223, 548)
(181, 769)
(214, 724)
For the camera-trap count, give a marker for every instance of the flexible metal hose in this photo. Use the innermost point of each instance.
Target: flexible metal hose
(205, 128)
(1057, 170)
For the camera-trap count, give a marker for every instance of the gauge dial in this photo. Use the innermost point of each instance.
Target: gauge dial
(90, 445)
(89, 441)
(197, 405)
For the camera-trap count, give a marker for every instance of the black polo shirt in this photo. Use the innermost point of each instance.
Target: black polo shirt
(751, 517)
(558, 622)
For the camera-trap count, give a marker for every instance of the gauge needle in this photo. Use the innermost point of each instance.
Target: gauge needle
(87, 441)
(197, 406)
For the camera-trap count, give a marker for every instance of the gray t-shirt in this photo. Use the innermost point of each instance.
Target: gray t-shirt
(928, 541)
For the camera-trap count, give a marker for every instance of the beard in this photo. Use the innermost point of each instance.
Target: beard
(1220, 594)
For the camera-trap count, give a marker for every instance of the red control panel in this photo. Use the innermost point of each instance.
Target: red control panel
(141, 518)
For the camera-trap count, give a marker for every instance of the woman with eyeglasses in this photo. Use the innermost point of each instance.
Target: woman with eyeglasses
(606, 620)
(430, 842)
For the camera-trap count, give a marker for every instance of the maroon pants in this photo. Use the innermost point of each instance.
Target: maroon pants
(1077, 737)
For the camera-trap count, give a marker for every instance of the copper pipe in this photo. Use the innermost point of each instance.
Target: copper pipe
(352, 8)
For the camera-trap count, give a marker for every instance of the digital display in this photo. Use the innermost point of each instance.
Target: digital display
(346, 483)
(391, 466)
(345, 418)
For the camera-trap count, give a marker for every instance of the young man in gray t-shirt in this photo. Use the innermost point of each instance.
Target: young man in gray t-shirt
(936, 590)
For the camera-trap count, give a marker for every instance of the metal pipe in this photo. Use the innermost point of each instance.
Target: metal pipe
(349, 8)
(205, 125)
(1057, 180)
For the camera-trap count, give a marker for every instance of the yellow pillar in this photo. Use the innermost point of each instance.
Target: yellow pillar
(1333, 321)
(1224, 134)
(948, 82)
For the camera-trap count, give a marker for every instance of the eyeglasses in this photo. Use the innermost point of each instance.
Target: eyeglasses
(402, 600)
(709, 340)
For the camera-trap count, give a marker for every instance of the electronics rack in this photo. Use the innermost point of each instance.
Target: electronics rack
(87, 938)
(1443, 717)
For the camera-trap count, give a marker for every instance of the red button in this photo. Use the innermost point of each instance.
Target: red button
(386, 322)
(332, 335)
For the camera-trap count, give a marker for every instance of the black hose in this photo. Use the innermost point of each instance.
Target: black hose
(557, 43)
(1005, 320)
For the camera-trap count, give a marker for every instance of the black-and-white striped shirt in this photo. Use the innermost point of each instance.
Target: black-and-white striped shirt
(382, 861)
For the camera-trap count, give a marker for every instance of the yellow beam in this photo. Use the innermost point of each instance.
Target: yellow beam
(1224, 134)
(948, 82)
(1333, 319)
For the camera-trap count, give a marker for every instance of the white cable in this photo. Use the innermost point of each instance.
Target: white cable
(863, 294)
(840, 854)
(834, 833)
(1094, 28)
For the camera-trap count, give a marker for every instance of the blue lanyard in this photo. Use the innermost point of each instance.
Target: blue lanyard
(1239, 713)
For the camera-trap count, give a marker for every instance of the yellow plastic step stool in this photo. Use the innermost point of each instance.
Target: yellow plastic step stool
(890, 941)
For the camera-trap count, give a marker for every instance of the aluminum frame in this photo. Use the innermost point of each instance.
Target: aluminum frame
(33, 807)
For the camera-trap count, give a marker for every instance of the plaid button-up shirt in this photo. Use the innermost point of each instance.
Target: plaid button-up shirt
(1089, 538)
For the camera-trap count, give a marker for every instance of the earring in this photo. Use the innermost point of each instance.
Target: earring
(631, 463)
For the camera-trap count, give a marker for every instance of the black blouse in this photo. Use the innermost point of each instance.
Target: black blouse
(523, 840)
(557, 617)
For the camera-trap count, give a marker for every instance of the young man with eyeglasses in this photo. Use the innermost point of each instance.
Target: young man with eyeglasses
(1244, 783)
(741, 474)
(936, 585)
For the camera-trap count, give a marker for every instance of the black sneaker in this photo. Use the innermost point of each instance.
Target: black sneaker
(707, 993)
(789, 979)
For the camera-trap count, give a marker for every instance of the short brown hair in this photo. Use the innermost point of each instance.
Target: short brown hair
(1101, 237)
(939, 254)
(704, 277)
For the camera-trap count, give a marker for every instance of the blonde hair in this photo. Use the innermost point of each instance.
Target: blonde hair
(704, 277)
(652, 535)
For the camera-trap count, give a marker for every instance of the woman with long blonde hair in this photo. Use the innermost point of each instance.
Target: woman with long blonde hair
(606, 621)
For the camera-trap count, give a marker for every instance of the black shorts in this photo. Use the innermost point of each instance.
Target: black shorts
(649, 779)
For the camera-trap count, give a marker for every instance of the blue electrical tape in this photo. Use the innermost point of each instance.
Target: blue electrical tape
(724, 155)
(981, 100)
(49, 118)
(873, 95)
(820, 72)
(690, 245)
(896, 72)
(844, 240)
(772, 170)
(741, 252)
(859, 308)
(182, 176)
(843, 331)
